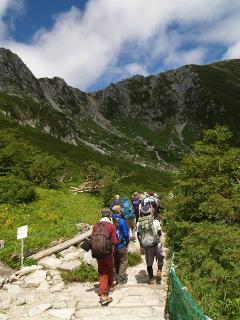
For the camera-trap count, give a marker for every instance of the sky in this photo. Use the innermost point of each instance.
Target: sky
(95, 42)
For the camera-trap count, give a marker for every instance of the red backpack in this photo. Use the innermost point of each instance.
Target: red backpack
(101, 243)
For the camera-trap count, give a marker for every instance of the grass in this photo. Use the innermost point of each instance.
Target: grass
(134, 258)
(85, 273)
(52, 217)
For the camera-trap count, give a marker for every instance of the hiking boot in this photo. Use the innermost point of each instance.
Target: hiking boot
(105, 300)
(151, 281)
(158, 276)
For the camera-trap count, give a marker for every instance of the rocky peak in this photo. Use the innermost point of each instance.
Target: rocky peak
(16, 78)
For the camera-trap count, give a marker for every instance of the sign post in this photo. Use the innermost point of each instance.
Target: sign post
(21, 234)
(1, 244)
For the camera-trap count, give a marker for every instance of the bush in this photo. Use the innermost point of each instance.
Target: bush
(15, 191)
(86, 273)
(134, 258)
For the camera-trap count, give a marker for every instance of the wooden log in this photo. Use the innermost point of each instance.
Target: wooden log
(61, 246)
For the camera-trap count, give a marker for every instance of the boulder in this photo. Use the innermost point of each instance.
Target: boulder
(68, 250)
(27, 270)
(87, 257)
(58, 287)
(65, 314)
(34, 279)
(50, 262)
(38, 309)
(70, 265)
(73, 255)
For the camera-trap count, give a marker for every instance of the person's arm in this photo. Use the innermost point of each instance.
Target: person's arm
(157, 226)
(113, 235)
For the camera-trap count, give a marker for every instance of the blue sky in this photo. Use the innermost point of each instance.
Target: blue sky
(93, 43)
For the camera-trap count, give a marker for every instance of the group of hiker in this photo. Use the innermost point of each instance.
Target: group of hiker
(118, 225)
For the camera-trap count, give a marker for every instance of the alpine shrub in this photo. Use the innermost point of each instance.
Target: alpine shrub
(15, 191)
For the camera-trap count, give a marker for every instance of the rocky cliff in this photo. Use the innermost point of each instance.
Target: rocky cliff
(150, 120)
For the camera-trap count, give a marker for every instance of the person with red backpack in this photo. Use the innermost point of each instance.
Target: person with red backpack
(103, 239)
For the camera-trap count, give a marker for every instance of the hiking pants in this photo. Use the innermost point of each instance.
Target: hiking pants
(105, 270)
(121, 263)
(150, 254)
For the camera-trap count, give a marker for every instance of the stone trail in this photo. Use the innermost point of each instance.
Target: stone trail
(38, 293)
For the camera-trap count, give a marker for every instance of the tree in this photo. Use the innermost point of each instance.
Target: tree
(207, 186)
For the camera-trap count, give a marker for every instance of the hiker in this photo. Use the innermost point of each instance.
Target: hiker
(116, 202)
(149, 233)
(136, 203)
(121, 248)
(102, 241)
(129, 216)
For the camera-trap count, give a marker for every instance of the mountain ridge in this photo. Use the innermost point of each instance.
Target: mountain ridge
(170, 108)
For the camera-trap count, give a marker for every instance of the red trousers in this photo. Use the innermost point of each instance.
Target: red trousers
(105, 270)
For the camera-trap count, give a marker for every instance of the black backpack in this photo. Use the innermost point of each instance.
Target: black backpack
(101, 243)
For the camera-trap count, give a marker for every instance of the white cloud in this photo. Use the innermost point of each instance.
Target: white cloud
(120, 38)
(233, 52)
(6, 6)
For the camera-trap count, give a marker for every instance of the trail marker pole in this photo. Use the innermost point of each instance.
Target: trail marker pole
(1, 244)
(21, 234)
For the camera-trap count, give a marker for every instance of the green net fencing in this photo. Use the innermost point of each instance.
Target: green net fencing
(181, 305)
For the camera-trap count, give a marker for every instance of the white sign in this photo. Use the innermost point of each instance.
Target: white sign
(1, 244)
(22, 232)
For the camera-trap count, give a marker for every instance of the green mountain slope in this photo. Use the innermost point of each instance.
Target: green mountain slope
(149, 121)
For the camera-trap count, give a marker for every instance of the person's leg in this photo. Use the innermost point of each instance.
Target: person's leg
(116, 262)
(149, 255)
(105, 269)
(122, 276)
(103, 277)
(159, 257)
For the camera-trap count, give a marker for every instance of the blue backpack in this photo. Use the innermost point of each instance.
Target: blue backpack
(127, 209)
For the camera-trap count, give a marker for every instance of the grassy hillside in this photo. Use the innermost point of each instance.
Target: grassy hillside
(52, 217)
(150, 178)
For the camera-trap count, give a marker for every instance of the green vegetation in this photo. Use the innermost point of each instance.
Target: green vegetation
(134, 258)
(85, 273)
(51, 217)
(21, 159)
(203, 224)
(14, 191)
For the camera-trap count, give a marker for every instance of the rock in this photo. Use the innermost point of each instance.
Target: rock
(58, 287)
(72, 256)
(69, 250)
(20, 300)
(59, 305)
(12, 289)
(27, 270)
(50, 262)
(65, 314)
(70, 266)
(43, 287)
(5, 305)
(34, 279)
(14, 277)
(87, 257)
(57, 278)
(38, 309)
